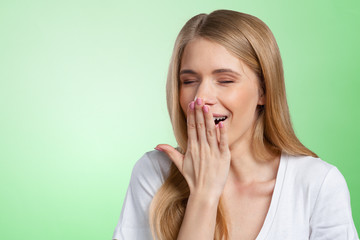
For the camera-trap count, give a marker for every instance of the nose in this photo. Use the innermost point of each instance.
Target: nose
(207, 92)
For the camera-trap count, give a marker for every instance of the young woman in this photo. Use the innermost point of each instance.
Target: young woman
(239, 171)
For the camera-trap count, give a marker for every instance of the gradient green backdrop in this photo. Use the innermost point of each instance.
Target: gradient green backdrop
(82, 98)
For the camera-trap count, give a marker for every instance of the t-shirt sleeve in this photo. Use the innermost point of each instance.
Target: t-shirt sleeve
(146, 178)
(331, 217)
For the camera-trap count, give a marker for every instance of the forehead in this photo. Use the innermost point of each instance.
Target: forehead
(203, 55)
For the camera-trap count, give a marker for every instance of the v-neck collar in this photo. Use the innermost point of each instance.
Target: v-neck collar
(275, 197)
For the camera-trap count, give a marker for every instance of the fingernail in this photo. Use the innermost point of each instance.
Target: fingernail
(159, 149)
(199, 101)
(206, 108)
(192, 105)
(221, 125)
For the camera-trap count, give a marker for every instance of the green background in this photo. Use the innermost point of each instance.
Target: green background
(82, 98)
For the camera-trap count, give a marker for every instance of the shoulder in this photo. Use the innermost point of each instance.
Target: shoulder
(322, 183)
(148, 174)
(151, 170)
(308, 162)
(325, 194)
(309, 170)
(312, 177)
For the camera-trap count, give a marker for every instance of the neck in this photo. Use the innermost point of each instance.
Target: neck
(245, 169)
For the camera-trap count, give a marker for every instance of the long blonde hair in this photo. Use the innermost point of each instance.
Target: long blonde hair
(250, 39)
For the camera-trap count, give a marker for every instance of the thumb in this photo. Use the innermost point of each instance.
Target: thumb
(173, 154)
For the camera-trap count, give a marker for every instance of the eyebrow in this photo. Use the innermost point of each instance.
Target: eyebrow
(222, 70)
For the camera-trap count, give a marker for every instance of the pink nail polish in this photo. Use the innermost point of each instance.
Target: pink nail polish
(159, 149)
(192, 105)
(221, 125)
(206, 108)
(199, 101)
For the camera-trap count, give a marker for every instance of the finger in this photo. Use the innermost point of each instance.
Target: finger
(210, 127)
(190, 119)
(223, 138)
(176, 157)
(200, 122)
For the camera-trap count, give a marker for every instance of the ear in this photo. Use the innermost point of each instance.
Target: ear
(262, 98)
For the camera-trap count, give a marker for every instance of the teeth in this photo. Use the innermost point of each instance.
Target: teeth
(219, 118)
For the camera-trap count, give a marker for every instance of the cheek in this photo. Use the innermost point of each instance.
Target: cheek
(243, 102)
(185, 97)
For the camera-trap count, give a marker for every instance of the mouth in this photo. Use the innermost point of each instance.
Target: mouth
(219, 119)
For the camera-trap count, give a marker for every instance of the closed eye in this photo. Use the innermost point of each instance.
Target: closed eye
(188, 81)
(226, 81)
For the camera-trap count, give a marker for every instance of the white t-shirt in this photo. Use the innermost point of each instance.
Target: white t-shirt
(310, 200)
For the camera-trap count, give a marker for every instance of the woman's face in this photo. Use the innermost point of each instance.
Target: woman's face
(227, 85)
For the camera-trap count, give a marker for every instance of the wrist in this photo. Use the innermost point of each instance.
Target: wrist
(204, 199)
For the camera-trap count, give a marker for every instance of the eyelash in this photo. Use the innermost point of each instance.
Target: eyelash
(186, 82)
